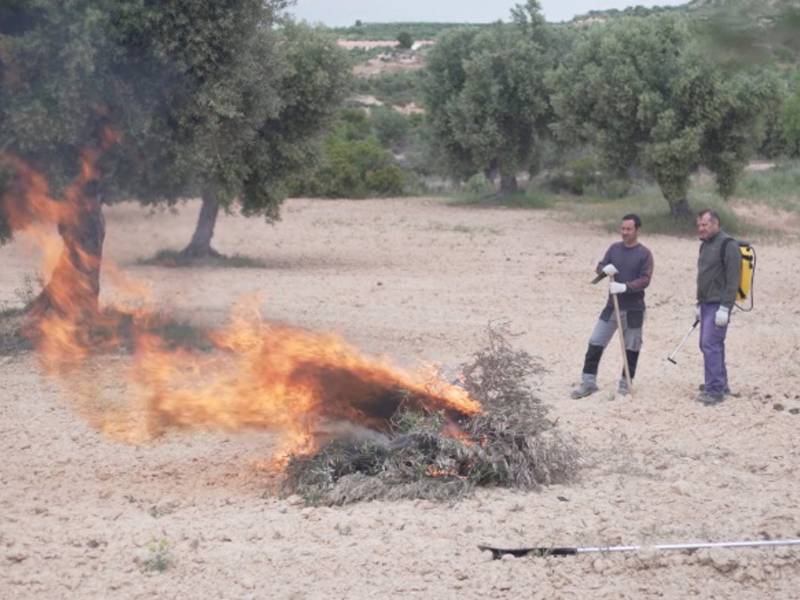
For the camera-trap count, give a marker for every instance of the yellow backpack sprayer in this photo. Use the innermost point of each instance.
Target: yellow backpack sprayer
(748, 272)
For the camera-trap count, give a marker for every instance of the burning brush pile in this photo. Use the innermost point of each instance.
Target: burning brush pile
(428, 454)
(347, 427)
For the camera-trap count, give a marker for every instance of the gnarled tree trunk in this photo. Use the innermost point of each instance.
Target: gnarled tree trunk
(508, 184)
(74, 287)
(675, 188)
(200, 246)
(492, 170)
(679, 209)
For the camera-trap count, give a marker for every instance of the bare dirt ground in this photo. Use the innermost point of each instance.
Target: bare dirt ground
(84, 516)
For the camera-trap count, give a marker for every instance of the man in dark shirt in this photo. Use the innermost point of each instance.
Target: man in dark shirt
(718, 273)
(632, 265)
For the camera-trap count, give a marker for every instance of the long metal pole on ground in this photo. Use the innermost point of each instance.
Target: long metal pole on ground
(570, 551)
(626, 368)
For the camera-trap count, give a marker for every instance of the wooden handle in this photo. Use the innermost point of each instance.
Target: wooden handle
(626, 368)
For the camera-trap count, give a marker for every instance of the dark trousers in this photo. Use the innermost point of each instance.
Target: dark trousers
(712, 345)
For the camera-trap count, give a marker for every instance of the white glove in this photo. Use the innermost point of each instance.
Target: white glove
(610, 270)
(617, 288)
(697, 313)
(721, 316)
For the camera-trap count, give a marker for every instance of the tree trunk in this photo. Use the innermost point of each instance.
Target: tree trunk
(679, 209)
(200, 246)
(74, 287)
(491, 171)
(508, 184)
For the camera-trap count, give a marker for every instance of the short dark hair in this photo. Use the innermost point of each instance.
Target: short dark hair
(711, 213)
(635, 218)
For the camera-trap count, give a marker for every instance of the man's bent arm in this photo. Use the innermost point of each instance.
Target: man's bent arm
(606, 260)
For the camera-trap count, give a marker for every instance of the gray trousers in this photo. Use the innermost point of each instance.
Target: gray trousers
(604, 330)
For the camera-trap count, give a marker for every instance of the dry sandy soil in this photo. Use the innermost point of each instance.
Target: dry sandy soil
(417, 280)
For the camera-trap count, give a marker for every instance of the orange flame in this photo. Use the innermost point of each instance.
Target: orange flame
(259, 375)
(435, 472)
(283, 379)
(73, 271)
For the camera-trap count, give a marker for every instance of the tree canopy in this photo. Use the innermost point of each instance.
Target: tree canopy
(789, 118)
(404, 40)
(486, 97)
(59, 87)
(223, 100)
(640, 93)
(168, 99)
(253, 112)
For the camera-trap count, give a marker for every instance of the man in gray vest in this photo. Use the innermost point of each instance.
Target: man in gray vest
(718, 273)
(632, 265)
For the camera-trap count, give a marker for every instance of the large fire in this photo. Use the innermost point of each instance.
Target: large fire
(257, 375)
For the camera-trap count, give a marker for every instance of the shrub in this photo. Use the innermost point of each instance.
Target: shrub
(479, 186)
(399, 87)
(352, 169)
(391, 128)
(576, 176)
(405, 40)
(352, 124)
(386, 181)
(586, 176)
(609, 188)
(159, 558)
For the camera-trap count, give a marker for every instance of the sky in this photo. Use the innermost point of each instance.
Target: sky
(335, 13)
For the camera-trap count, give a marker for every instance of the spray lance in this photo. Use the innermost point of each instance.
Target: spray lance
(671, 357)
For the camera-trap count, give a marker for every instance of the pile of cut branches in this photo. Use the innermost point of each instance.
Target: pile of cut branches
(512, 443)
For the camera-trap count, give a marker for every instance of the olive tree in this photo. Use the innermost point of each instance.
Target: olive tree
(639, 92)
(172, 99)
(486, 98)
(303, 94)
(789, 119)
(404, 40)
(63, 86)
(254, 93)
(219, 100)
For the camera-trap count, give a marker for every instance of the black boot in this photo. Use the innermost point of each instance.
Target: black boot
(633, 359)
(592, 360)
